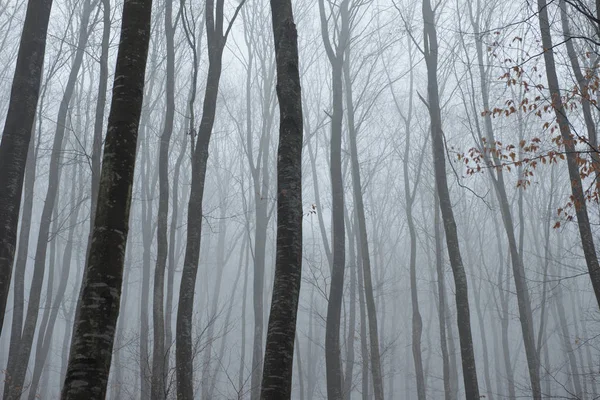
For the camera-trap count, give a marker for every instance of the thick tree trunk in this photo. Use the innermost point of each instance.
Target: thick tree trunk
(17, 134)
(439, 160)
(98, 305)
(281, 331)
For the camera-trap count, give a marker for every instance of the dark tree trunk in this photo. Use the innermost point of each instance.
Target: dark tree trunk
(281, 331)
(579, 200)
(98, 305)
(17, 134)
(439, 161)
(18, 375)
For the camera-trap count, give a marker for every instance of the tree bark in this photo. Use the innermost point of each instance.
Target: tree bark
(17, 134)
(281, 331)
(98, 305)
(18, 376)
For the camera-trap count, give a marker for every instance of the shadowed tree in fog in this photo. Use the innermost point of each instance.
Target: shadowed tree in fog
(98, 305)
(17, 134)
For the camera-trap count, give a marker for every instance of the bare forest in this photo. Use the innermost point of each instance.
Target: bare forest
(299, 199)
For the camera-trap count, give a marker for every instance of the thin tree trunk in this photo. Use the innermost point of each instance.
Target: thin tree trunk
(523, 298)
(449, 394)
(183, 343)
(334, 372)
(18, 377)
(350, 355)
(439, 158)
(159, 355)
(362, 229)
(43, 347)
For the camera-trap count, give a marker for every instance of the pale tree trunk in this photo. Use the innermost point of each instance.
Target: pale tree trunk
(281, 331)
(362, 223)
(17, 134)
(231, 299)
(259, 170)
(159, 355)
(409, 198)
(299, 366)
(20, 370)
(523, 298)
(175, 222)
(99, 114)
(98, 304)
(206, 380)
(335, 54)
(350, 354)
(51, 314)
(449, 393)
(439, 161)
(364, 345)
(216, 40)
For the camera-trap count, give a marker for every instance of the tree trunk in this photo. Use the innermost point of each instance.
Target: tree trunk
(579, 201)
(98, 305)
(183, 343)
(333, 364)
(18, 377)
(281, 331)
(17, 134)
(439, 161)
(43, 346)
(159, 355)
(362, 225)
(523, 298)
(449, 394)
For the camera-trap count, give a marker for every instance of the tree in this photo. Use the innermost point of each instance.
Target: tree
(98, 305)
(159, 356)
(281, 332)
(216, 40)
(579, 199)
(430, 50)
(17, 134)
(21, 360)
(335, 54)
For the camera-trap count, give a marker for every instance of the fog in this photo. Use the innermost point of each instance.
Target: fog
(161, 238)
